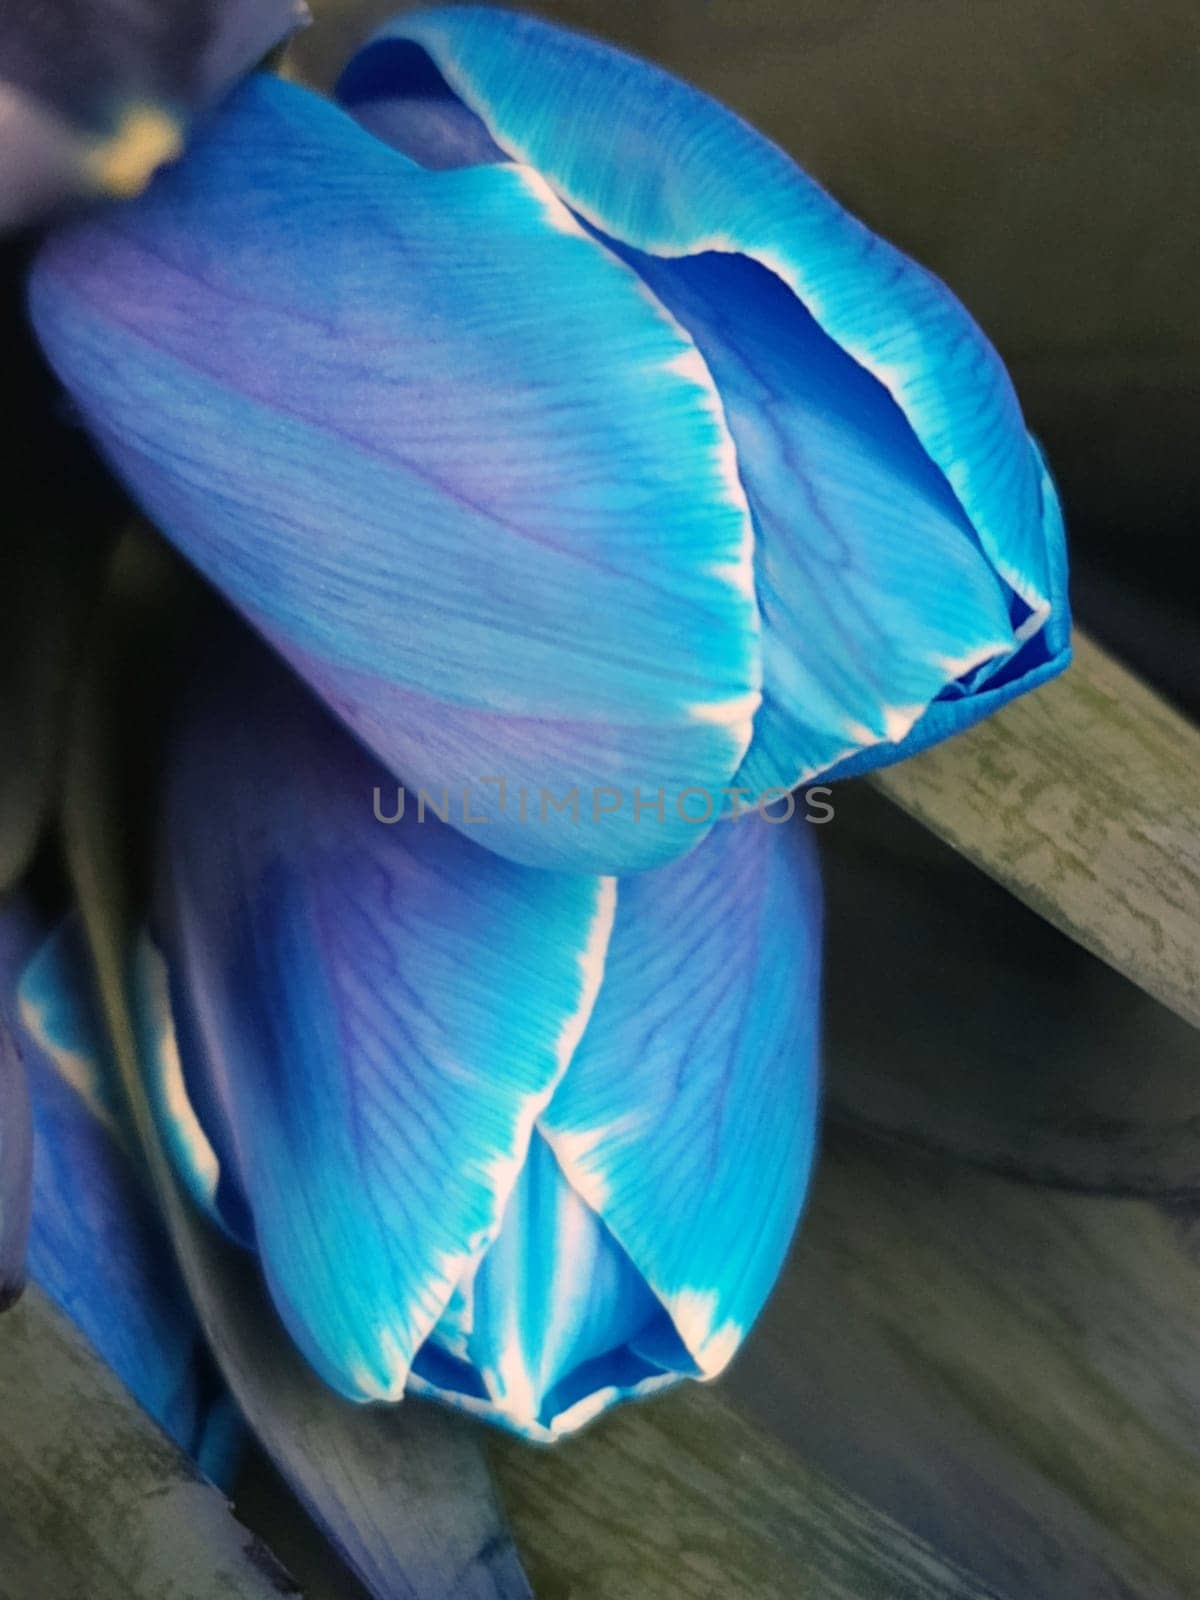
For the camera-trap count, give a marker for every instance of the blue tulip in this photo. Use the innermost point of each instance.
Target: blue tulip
(16, 1150)
(97, 1245)
(93, 102)
(559, 431)
(528, 1142)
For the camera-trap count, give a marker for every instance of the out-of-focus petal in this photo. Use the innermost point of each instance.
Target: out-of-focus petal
(195, 1130)
(687, 1120)
(445, 451)
(380, 1012)
(878, 436)
(16, 1157)
(43, 159)
(549, 1330)
(97, 1245)
(95, 95)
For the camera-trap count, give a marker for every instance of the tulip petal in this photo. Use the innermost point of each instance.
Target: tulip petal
(195, 1130)
(16, 1151)
(878, 436)
(445, 451)
(549, 1331)
(687, 1119)
(96, 1242)
(405, 1497)
(848, 508)
(380, 1012)
(1040, 656)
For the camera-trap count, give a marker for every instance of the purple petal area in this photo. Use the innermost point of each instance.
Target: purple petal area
(369, 1015)
(240, 35)
(442, 449)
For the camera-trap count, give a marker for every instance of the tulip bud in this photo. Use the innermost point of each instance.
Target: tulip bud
(528, 1142)
(555, 426)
